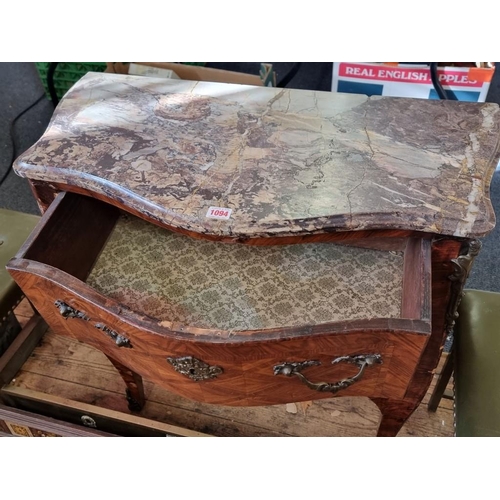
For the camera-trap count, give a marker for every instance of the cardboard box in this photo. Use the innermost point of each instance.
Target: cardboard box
(467, 81)
(142, 70)
(267, 77)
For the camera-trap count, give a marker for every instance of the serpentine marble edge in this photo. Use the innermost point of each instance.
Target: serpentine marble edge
(286, 162)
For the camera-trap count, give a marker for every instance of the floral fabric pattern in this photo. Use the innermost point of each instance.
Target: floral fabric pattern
(172, 277)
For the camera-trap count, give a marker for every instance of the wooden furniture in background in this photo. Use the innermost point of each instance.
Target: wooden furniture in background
(378, 201)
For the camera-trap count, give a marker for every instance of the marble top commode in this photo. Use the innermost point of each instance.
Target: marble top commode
(361, 218)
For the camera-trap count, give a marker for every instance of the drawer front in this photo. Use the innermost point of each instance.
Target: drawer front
(21, 423)
(365, 362)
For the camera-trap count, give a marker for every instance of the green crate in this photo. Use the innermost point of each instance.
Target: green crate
(66, 74)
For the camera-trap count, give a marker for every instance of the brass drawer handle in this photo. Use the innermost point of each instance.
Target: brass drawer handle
(194, 368)
(69, 312)
(120, 340)
(289, 369)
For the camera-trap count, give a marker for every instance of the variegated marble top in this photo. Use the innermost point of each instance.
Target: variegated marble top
(282, 161)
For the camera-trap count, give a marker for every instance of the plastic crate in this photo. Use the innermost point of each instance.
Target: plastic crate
(66, 74)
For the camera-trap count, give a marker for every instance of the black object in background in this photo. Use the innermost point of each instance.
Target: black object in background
(14, 148)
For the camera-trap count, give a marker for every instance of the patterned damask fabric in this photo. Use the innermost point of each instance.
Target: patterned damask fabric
(172, 277)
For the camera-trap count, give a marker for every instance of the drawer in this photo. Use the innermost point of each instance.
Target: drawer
(14, 422)
(227, 323)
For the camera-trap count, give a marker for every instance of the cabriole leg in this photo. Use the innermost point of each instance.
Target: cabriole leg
(395, 412)
(135, 387)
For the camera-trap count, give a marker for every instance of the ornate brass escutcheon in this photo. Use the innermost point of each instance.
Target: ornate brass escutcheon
(194, 368)
(69, 312)
(461, 269)
(120, 340)
(295, 368)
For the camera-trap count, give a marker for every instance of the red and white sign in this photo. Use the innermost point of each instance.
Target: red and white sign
(410, 80)
(449, 76)
(218, 213)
